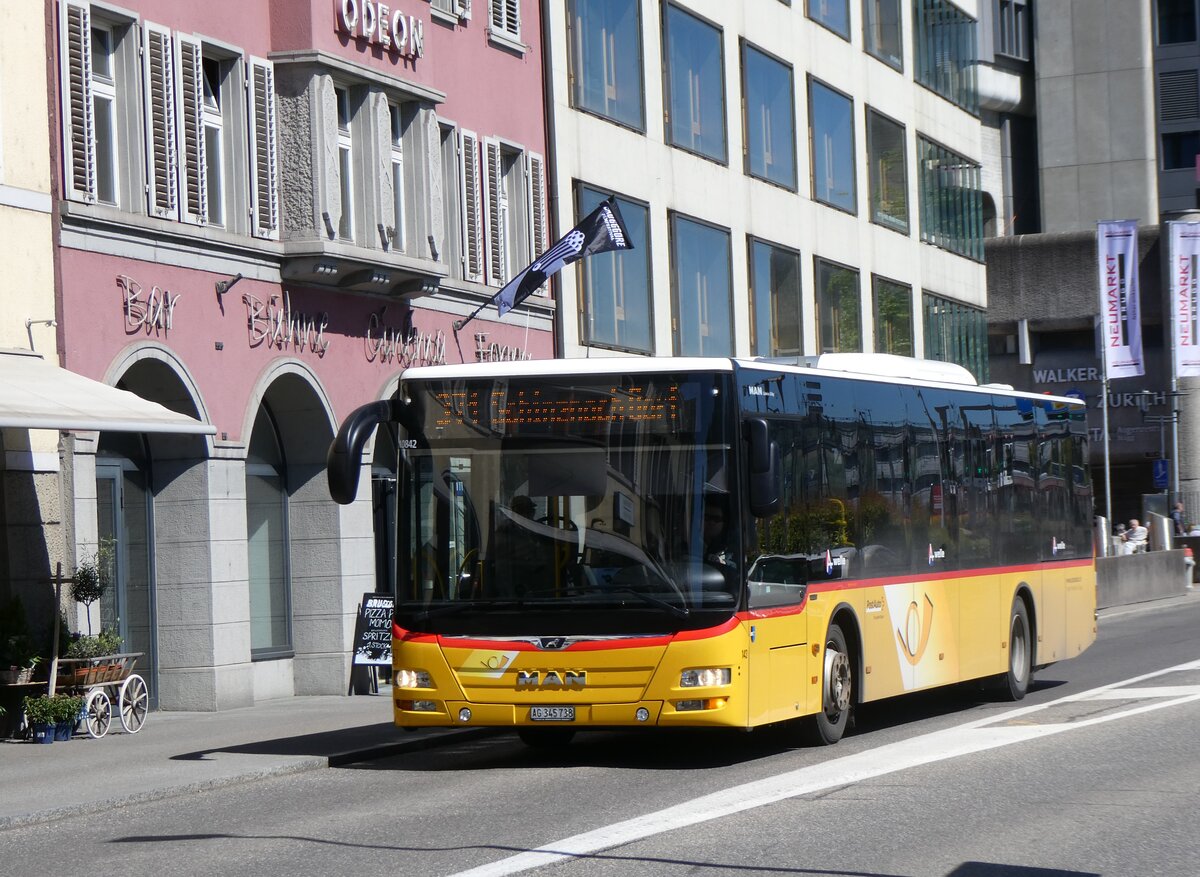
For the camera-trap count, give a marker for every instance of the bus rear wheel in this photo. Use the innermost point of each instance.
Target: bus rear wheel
(837, 692)
(1016, 681)
(546, 738)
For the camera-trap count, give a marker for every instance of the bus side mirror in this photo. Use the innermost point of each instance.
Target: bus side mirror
(344, 460)
(764, 469)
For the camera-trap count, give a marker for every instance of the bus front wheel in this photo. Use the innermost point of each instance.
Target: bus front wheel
(837, 692)
(1020, 653)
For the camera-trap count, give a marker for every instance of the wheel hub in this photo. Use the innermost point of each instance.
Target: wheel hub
(837, 680)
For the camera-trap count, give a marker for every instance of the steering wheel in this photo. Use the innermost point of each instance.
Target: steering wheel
(557, 522)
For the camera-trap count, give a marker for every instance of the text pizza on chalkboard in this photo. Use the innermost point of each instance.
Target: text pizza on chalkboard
(373, 633)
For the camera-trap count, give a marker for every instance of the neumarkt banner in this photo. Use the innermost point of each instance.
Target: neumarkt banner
(1120, 302)
(1185, 309)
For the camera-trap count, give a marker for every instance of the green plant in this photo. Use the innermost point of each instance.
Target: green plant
(106, 642)
(41, 710)
(66, 708)
(92, 578)
(19, 651)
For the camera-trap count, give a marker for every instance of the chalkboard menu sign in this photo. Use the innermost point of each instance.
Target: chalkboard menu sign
(373, 634)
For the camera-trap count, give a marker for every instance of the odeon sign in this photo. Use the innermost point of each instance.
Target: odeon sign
(377, 23)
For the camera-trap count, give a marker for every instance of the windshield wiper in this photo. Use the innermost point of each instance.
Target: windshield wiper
(650, 599)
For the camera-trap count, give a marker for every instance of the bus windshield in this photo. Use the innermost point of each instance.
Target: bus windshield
(568, 505)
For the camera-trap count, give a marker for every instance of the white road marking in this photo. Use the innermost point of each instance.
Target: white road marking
(966, 739)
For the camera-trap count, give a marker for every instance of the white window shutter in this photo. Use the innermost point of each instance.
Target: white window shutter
(193, 188)
(497, 211)
(162, 175)
(264, 160)
(472, 208)
(537, 204)
(512, 14)
(79, 146)
(463, 9)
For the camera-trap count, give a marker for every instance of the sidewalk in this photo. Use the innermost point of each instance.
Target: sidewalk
(180, 752)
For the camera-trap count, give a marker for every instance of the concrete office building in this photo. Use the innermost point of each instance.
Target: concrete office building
(1093, 115)
(796, 178)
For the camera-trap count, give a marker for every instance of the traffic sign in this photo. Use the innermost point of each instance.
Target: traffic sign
(1160, 474)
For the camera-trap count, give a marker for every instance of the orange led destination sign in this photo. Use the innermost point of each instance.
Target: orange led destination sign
(507, 408)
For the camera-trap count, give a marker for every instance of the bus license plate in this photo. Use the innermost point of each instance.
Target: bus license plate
(552, 713)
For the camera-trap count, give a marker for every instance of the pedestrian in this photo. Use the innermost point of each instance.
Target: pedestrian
(1137, 537)
(1177, 519)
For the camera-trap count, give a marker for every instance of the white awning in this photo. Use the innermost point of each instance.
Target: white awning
(37, 395)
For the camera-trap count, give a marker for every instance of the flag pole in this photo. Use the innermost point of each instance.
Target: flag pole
(458, 324)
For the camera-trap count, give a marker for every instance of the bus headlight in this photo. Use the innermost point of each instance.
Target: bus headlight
(412, 679)
(706, 677)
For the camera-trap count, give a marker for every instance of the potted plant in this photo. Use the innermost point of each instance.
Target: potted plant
(67, 708)
(41, 714)
(92, 577)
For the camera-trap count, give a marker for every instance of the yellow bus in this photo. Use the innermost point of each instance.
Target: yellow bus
(696, 542)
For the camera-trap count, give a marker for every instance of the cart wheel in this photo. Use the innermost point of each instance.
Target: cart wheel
(134, 700)
(97, 713)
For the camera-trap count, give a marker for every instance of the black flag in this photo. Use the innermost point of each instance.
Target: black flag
(600, 231)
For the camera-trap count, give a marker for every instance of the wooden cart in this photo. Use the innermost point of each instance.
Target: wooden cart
(103, 681)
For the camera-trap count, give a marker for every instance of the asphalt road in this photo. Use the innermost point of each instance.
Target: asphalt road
(1092, 774)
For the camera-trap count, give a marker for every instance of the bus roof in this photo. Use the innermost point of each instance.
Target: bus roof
(882, 367)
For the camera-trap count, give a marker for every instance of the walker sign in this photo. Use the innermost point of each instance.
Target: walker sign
(1120, 302)
(1185, 319)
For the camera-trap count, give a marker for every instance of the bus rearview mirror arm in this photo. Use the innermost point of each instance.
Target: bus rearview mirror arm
(344, 460)
(764, 469)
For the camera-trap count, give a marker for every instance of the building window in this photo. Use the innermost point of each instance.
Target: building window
(833, 14)
(1012, 28)
(96, 81)
(839, 308)
(1176, 21)
(946, 52)
(396, 127)
(893, 317)
(212, 123)
(882, 31)
(769, 101)
(515, 214)
(831, 130)
(951, 200)
(887, 172)
(345, 155)
(605, 46)
(505, 22)
(451, 251)
(695, 84)
(1179, 150)
(615, 286)
(778, 328)
(703, 290)
(956, 332)
(267, 541)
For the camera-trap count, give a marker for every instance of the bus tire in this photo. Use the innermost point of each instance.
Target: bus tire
(1016, 681)
(837, 691)
(546, 738)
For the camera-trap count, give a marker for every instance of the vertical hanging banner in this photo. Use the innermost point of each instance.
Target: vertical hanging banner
(1120, 302)
(1185, 310)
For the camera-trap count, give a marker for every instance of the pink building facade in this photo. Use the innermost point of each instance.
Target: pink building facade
(267, 211)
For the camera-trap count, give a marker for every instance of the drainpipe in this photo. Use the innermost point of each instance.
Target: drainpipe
(551, 170)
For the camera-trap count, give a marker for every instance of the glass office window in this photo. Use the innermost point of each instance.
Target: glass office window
(770, 121)
(893, 317)
(615, 286)
(695, 84)
(951, 200)
(887, 172)
(1179, 150)
(956, 332)
(1176, 21)
(831, 124)
(1012, 29)
(778, 328)
(703, 289)
(947, 53)
(839, 308)
(605, 45)
(881, 31)
(834, 14)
